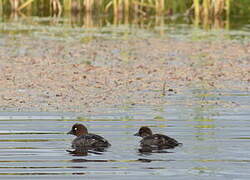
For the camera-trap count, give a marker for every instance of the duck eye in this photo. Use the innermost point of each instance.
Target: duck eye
(75, 128)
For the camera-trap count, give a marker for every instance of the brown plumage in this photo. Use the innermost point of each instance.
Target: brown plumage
(155, 140)
(85, 140)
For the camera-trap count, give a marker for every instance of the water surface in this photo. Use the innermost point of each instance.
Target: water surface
(213, 126)
(215, 139)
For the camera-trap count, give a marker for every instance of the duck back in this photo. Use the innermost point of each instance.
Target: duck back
(89, 141)
(159, 140)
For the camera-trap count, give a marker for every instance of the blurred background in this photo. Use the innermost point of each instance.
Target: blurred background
(207, 14)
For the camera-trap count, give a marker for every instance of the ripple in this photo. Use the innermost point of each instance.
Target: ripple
(31, 140)
(215, 143)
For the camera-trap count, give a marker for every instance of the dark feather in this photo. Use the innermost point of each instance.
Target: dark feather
(159, 140)
(89, 140)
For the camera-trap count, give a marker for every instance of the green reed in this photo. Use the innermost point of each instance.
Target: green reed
(202, 10)
(208, 14)
(158, 7)
(116, 6)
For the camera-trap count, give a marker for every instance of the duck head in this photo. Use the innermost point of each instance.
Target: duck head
(144, 131)
(78, 130)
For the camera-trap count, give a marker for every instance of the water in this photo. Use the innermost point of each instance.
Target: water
(84, 28)
(215, 141)
(213, 126)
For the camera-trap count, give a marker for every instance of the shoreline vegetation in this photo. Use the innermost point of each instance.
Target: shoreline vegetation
(198, 8)
(207, 14)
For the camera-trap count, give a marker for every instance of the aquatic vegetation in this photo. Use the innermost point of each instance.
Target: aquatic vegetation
(144, 13)
(124, 7)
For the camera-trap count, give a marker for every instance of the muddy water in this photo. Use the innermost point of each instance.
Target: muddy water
(215, 137)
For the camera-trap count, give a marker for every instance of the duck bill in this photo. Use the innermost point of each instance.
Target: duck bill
(136, 134)
(70, 132)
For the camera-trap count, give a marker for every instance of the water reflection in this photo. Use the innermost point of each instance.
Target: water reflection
(30, 140)
(215, 138)
(203, 123)
(88, 20)
(86, 151)
(148, 150)
(86, 27)
(205, 14)
(83, 152)
(38, 173)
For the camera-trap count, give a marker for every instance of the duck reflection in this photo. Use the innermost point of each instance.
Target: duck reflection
(147, 150)
(86, 151)
(82, 152)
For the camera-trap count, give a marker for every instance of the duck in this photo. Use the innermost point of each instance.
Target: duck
(85, 140)
(159, 141)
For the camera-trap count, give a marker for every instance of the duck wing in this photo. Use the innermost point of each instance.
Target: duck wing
(159, 140)
(89, 141)
(98, 141)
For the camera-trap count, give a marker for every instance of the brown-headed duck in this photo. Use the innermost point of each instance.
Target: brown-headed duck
(85, 140)
(155, 140)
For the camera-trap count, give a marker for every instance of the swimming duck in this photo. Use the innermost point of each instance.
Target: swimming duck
(155, 140)
(85, 140)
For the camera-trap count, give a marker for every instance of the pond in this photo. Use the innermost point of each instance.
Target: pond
(213, 124)
(215, 141)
